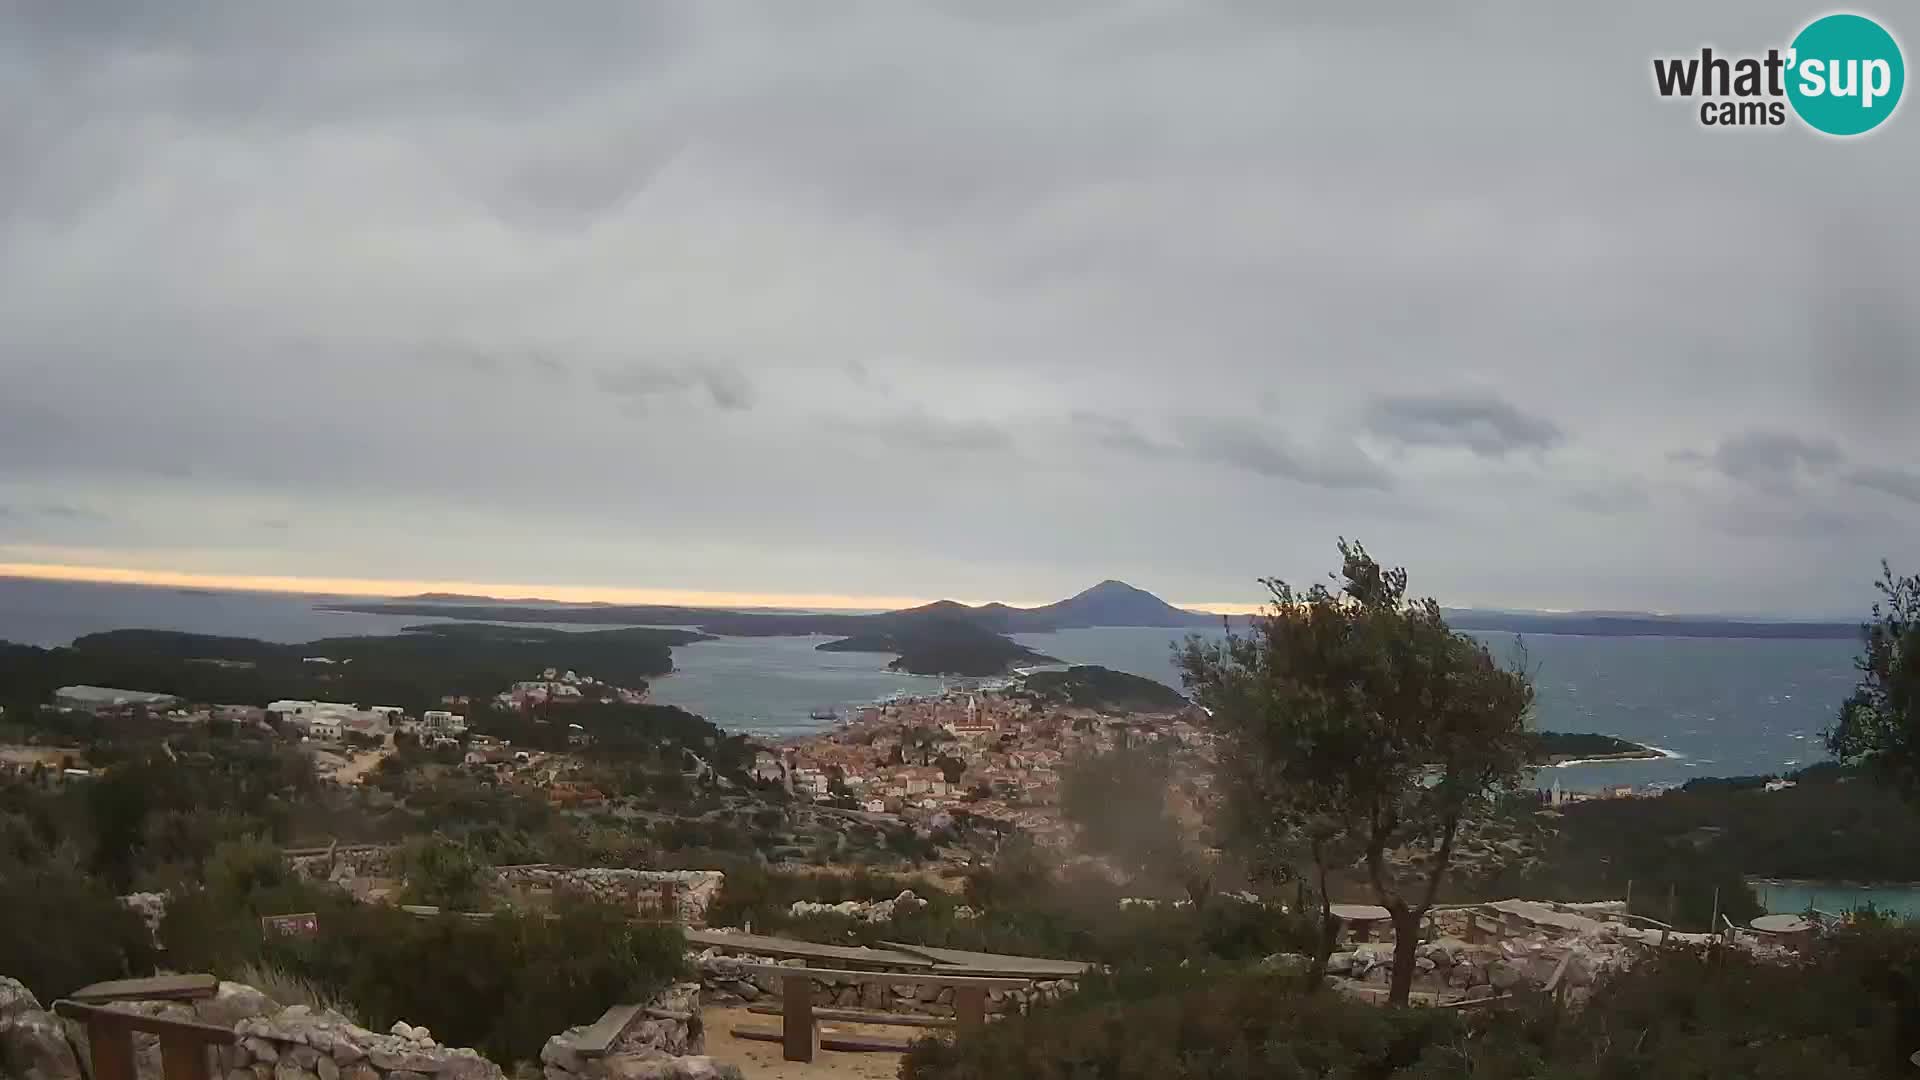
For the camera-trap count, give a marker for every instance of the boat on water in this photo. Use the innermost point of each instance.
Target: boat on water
(824, 714)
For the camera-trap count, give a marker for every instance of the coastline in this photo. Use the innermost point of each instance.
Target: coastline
(1645, 753)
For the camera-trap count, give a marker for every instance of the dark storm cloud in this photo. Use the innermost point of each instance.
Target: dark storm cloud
(1093, 258)
(1483, 423)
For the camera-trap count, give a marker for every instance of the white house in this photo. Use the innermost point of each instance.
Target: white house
(442, 722)
(324, 727)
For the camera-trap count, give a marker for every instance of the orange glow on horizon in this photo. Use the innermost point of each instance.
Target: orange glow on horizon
(390, 588)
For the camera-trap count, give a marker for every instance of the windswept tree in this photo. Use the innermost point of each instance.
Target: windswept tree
(1360, 729)
(1879, 724)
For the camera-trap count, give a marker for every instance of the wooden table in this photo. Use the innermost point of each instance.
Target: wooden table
(1792, 930)
(1361, 917)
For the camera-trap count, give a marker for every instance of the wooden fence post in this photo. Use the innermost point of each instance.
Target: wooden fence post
(796, 1017)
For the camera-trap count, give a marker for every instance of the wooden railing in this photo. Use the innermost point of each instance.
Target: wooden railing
(183, 1044)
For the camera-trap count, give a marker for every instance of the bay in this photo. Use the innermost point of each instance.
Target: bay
(1721, 706)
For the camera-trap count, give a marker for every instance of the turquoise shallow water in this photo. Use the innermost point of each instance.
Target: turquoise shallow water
(1794, 897)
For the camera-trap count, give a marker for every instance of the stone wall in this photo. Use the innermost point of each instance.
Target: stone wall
(662, 1040)
(301, 1043)
(695, 890)
(864, 910)
(342, 864)
(724, 980)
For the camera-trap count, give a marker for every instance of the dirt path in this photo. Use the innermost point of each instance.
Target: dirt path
(353, 772)
(762, 1060)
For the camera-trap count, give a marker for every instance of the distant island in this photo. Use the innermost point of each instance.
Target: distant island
(412, 669)
(1089, 686)
(938, 646)
(1559, 747)
(1110, 603)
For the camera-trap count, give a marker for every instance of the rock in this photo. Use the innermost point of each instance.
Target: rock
(1339, 963)
(1503, 974)
(232, 1003)
(551, 1072)
(559, 1052)
(15, 998)
(410, 1059)
(1423, 964)
(359, 1072)
(327, 1069)
(1478, 993)
(406, 1074)
(639, 1067)
(1286, 963)
(261, 1049)
(287, 1070)
(33, 1043)
(402, 1029)
(302, 1057)
(346, 1052)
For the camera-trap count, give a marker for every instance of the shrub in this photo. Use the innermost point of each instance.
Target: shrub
(61, 929)
(1185, 1025)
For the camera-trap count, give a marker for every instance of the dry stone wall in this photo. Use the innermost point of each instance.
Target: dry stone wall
(694, 890)
(663, 1040)
(725, 980)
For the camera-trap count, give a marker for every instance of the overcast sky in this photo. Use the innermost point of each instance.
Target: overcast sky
(976, 298)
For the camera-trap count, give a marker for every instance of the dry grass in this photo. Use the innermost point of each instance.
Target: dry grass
(289, 989)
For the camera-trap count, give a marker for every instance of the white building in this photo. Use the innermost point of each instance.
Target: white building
(442, 722)
(324, 727)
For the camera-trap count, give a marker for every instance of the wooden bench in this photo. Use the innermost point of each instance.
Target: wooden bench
(183, 1044)
(798, 1033)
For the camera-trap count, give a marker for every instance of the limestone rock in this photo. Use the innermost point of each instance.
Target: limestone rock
(287, 1070)
(15, 998)
(1503, 974)
(33, 1044)
(232, 1003)
(328, 1069)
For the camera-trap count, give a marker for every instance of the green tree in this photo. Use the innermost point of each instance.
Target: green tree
(1879, 724)
(444, 873)
(1364, 723)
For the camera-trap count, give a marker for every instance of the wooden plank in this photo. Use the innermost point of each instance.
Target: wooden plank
(865, 1016)
(759, 1034)
(970, 1007)
(110, 1045)
(183, 1056)
(962, 961)
(796, 1020)
(864, 1044)
(791, 949)
(889, 978)
(600, 1037)
(157, 988)
(208, 1034)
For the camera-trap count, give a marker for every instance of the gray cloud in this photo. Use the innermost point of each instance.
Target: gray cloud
(1261, 450)
(919, 430)
(725, 387)
(1097, 284)
(1899, 483)
(1483, 423)
(1617, 498)
(1773, 461)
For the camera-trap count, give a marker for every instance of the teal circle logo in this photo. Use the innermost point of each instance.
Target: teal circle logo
(1845, 74)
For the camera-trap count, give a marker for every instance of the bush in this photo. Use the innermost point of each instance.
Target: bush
(61, 929)
(502, 985)
(1186, 1025)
